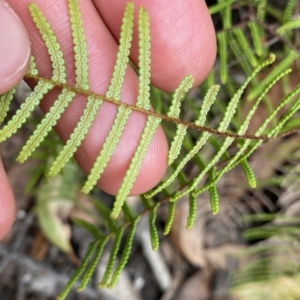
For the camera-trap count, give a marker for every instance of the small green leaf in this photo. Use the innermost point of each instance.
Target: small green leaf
(91, 228)
(32, 70)
(192, 211)
(256, 38)
(176, 143)
(81, 57)
(78, 272)
(153, 229)
(24, 111)
(54, 49)
(112, 258)
(114, 89)
(89, 272)
(208, 101)
(170, 217)
(179, 95)
(77, 136)
(46, 124)
(281, 67)
(5, 100)
(143, 100)
(222, 42)
(125, 254)
(107, 149)
(248, 173)
(135, 164)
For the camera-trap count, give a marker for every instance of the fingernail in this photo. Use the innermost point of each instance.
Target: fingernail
(14, 48)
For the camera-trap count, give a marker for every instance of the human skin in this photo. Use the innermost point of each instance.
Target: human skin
(182, 42)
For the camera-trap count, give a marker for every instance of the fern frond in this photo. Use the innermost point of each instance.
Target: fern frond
(256, 38)
(81, 58)
(107, 149)
(261, 129)
(5, 101)
(126, 253)
(89, 272)
(26, 108)
(77, 136)
(289, 9)
(240, 36)
(153, 229)
(261, 10)
(92, 229)
(283, 29)
(213, 193)
(226, 15)
(223, 54)
(176, 143)
(220, 6)
(239, 157)
(231, 108)
(78, 272)
(54, 50)
(174, 112)
(46, 124)
(170, 217)
(178, 96)
(209, 99)
(32, 70)
(143, 100)
(114, 89)
(135, 164)
(238, 53)
(285, 63)
(105, 212)
(192, 211)
(230, 111)
(128, 214)
(248, 173)
(112, 258)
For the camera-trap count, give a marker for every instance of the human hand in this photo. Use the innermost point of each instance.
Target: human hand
(182, 43)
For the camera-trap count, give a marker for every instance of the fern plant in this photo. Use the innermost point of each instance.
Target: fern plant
(175, 185)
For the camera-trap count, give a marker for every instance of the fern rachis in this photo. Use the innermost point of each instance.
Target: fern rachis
(179, 154)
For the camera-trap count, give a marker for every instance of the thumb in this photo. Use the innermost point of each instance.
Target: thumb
(14, 61)
(14, 48)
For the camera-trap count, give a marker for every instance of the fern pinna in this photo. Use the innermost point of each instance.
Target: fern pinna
(181, 151)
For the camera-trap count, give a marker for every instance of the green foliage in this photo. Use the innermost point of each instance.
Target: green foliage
(235, 43)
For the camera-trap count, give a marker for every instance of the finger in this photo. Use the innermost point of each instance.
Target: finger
(183, 38)
(102, 49)
(7, 204)
(14, 48)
